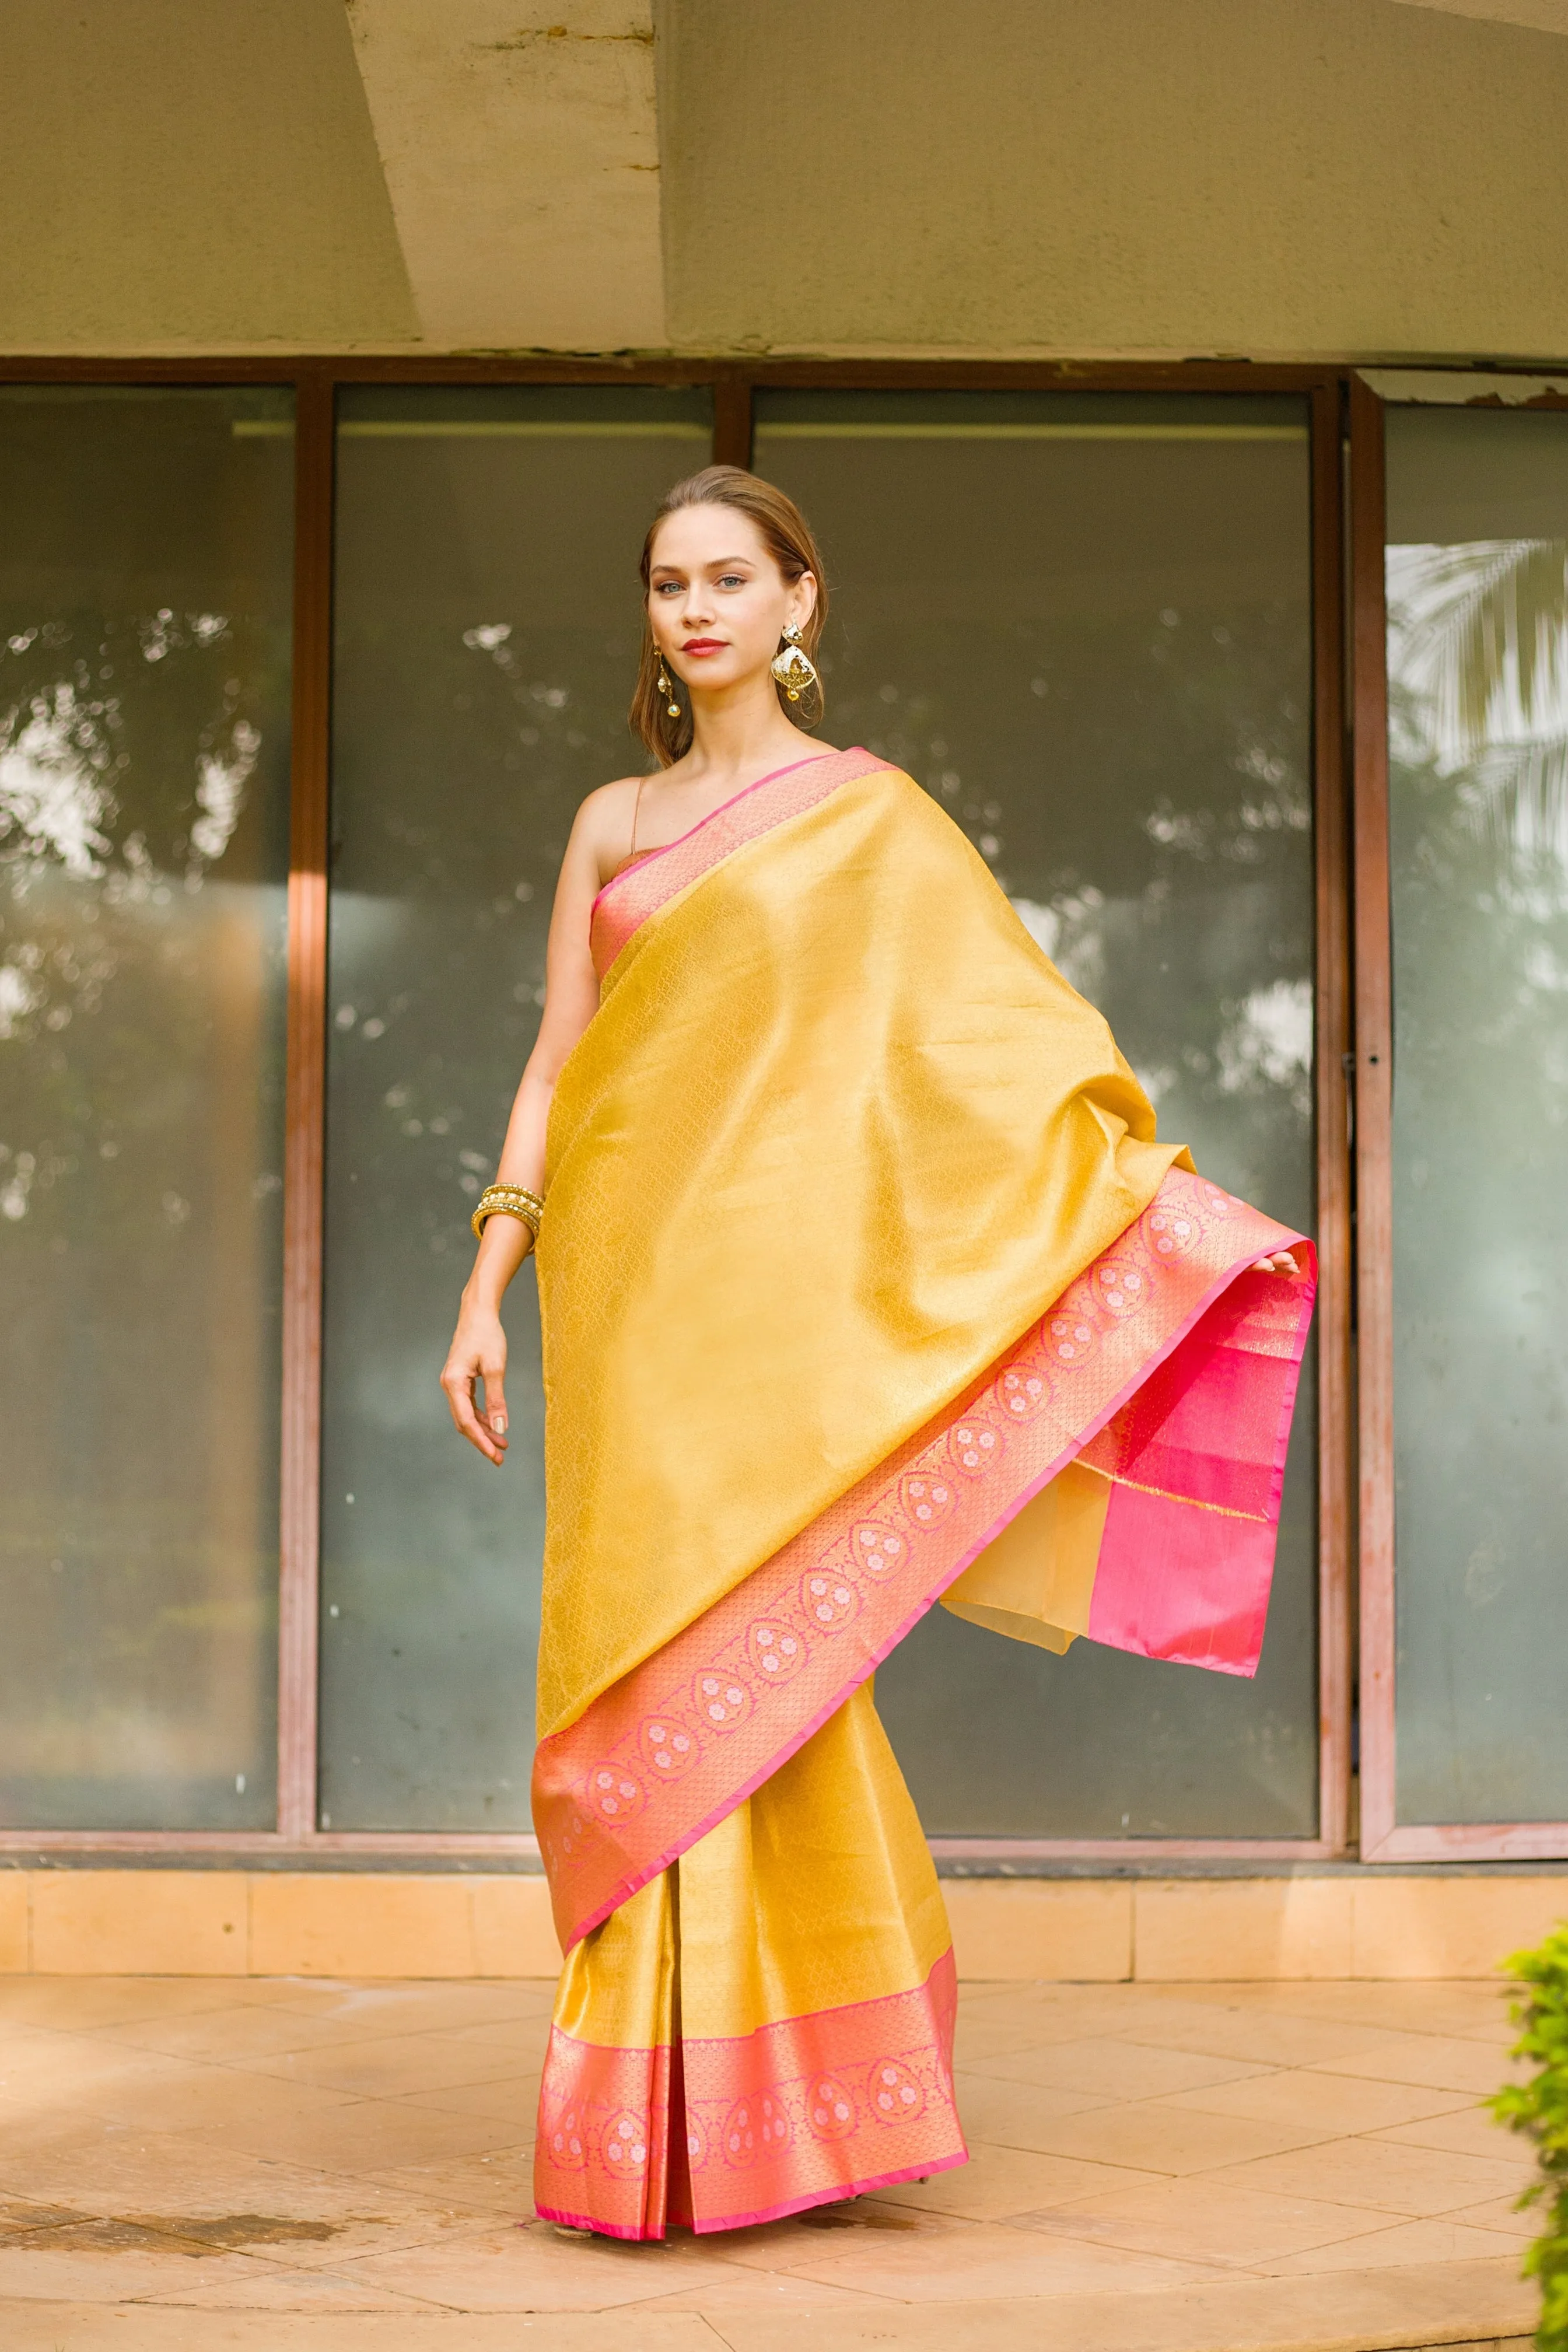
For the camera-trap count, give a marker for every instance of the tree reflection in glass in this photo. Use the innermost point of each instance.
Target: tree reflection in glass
(1083, 623)
(1477, 658)
(145, 622)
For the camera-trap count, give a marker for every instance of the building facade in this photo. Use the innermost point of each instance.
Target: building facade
(1182, 399)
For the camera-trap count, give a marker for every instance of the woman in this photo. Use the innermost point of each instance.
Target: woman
(864, 1283)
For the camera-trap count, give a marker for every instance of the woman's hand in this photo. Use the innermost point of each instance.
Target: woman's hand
(1281, 1262)
(478, 1353)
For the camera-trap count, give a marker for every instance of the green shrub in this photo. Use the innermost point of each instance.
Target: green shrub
(1540, 2107)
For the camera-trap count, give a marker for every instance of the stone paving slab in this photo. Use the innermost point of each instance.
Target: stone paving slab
(307, 2166)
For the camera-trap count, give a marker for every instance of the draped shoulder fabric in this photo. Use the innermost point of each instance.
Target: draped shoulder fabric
(865, 1284)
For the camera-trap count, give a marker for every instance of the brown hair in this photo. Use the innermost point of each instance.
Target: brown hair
(787, 534)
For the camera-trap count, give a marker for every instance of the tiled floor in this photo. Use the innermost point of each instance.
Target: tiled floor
(190, 2164)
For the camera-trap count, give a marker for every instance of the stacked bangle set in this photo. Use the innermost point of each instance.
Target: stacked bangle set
(508, 1201)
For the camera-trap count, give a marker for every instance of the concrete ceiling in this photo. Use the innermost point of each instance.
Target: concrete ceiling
(1539, 16)
(520, 150)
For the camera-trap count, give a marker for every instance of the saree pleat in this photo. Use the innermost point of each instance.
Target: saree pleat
(865, 1284)
(766, 2024)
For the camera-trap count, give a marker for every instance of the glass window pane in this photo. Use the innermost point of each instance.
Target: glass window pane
(144, 645)
(1477, 669)
(1084, 624)
(487, 624)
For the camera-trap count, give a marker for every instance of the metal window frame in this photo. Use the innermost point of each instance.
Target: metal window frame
(1383, 1838)
(315, 380)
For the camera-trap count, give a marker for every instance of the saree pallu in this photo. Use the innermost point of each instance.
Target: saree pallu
(865, 1284)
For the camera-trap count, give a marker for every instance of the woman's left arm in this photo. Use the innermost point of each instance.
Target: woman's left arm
(478, 1352)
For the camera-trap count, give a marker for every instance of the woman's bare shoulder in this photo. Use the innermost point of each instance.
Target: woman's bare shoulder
(606, 812)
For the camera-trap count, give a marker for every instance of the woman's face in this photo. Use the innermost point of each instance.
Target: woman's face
(717, 602)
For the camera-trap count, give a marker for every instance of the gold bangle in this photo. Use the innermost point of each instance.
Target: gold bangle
(508, 1201)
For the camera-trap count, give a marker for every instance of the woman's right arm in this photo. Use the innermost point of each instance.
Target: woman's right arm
(478, 1352)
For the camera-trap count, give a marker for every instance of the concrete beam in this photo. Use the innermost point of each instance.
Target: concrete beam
(1539, 15)
(521, 159)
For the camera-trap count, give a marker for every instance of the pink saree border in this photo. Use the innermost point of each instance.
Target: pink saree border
(667, 1751)
(629, 898)
(798, 2113)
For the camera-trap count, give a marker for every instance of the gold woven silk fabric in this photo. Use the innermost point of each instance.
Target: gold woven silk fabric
(837, 1134)
(816, 1893)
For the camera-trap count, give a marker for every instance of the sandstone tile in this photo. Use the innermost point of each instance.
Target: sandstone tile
(997, 2182)
(1246, 2030)
(292, 2291)
(1423, 2005)
(231, 2037)
(21, 2216)
(1466, 2131)
(174, 2097)
(514, 1933)
(362, 2135)
(139, 1921)
(1440, 2062)
(52, 2074)
(170, 2175)
(1244, 1928)
(498, 2181)
(1407, 2243)
(1107, 2071)
(376, 2010)
(1154, 2137)
(979, 2037)
(508, 2099)
(360, 1924)
(16, 1923)
(1375, 2175)
(1437, 1927)
(824, 2230)
(1056, 1928)
(532, 2267)
(77, 2004)
(1337, 2104)
(1014, 2114)
(1206, 2220)
(1473, 2304)
(528, 2032)
(983, 2263)
(731, 2293)
(1502, 2213)
(112, 2263)
(386, 2067)
(174, 2327)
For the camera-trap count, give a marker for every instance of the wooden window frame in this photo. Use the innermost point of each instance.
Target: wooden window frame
(315, 381)
(1383, 1838)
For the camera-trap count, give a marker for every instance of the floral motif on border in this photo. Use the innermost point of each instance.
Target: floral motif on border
(674, 1745)
(811, 2108)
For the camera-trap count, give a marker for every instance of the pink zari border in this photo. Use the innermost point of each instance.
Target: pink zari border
(628, 900)
(673, 1746)
(796, 2114)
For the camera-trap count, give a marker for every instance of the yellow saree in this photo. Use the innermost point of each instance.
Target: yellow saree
(864, 1284)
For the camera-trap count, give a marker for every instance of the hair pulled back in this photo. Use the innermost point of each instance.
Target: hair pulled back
(788, 539)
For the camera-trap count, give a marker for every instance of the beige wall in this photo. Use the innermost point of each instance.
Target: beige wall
(190, 174)
(1344, 178)
(1259, 176)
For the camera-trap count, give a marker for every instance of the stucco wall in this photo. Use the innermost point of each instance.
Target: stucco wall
(1257, 176)
(195, 175)
(1365, 178)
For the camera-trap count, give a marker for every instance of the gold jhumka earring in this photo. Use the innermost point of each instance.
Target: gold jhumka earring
(667, 691)
(793, 665)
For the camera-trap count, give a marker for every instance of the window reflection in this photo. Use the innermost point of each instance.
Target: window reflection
(1478, 662)
(144, 592)
(488, 629)
(1083, 623)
